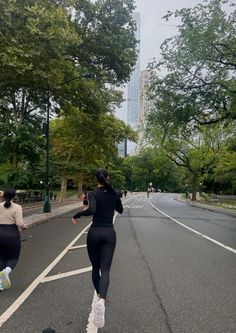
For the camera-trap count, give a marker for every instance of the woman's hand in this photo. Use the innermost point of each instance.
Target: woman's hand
(73, 220)
(23, 227)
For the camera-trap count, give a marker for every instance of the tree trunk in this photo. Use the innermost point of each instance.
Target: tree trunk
(64, 180)
(80, 185)
(194, 187)
(15, 155)
(63, 187)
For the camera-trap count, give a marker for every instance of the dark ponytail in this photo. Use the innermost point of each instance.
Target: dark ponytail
(102, 178)
(8, 195)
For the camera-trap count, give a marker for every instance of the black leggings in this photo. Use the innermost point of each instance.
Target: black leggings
(10, 245)
(101, 243)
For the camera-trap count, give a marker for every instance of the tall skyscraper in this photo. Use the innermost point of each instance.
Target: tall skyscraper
(145, 106)
(145, 103)
(129, 110)
(133, 100)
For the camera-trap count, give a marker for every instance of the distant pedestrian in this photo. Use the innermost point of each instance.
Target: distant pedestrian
(85, 200)
(1, 196)
(11, 218)
(125, 193)
(101, 238)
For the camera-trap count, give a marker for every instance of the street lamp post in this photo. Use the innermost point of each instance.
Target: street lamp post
(131, 179)
(47, 206)
(186, 191)
(149, 189)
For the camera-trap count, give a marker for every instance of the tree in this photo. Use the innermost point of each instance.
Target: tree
(47, 55)
(151, 165)
(34, 39)
(225, 169)
(80, 144)
(195, 98)
(199, 87)
(197, 153)
(108, 46)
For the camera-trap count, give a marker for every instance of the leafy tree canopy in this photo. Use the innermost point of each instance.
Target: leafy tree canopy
(199, 63)
(62, 53)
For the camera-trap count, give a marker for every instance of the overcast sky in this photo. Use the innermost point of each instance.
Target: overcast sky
(154, 30)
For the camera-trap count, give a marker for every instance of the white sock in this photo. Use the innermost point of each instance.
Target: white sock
(7, 270)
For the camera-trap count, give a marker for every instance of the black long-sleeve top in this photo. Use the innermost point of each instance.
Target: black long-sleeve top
(102, 204)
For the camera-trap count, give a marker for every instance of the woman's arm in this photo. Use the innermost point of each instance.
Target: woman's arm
(19, 218)
(91, 210)
(119, 206)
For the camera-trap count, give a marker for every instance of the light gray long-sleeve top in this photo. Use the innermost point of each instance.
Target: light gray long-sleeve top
(11, 215)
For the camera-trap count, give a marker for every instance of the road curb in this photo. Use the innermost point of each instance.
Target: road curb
(207, 207)
(35, 219)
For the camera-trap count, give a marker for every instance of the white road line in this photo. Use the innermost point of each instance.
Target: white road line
(195, 231)
(63, 275)
(20, 300)
(78, 247)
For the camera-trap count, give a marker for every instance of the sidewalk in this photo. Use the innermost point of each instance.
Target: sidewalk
(37, 218)
(205, 206)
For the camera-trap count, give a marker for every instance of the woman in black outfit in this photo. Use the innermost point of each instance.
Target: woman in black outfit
(101, 239)
(85, 200)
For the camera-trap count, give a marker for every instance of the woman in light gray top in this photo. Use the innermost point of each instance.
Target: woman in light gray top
(11, 219)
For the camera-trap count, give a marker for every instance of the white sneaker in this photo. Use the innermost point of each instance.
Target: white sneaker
(99, 314)
(4, 278)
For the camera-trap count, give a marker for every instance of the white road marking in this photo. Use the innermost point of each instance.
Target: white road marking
(63, 275)
(195, 231)
(20, 300)
(78, 247)
(42, 278)
(134, 206)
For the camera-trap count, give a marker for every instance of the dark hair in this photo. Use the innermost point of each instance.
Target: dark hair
(101, 176)
(8, 195)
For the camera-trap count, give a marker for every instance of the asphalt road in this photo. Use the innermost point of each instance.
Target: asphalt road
(165, 278)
